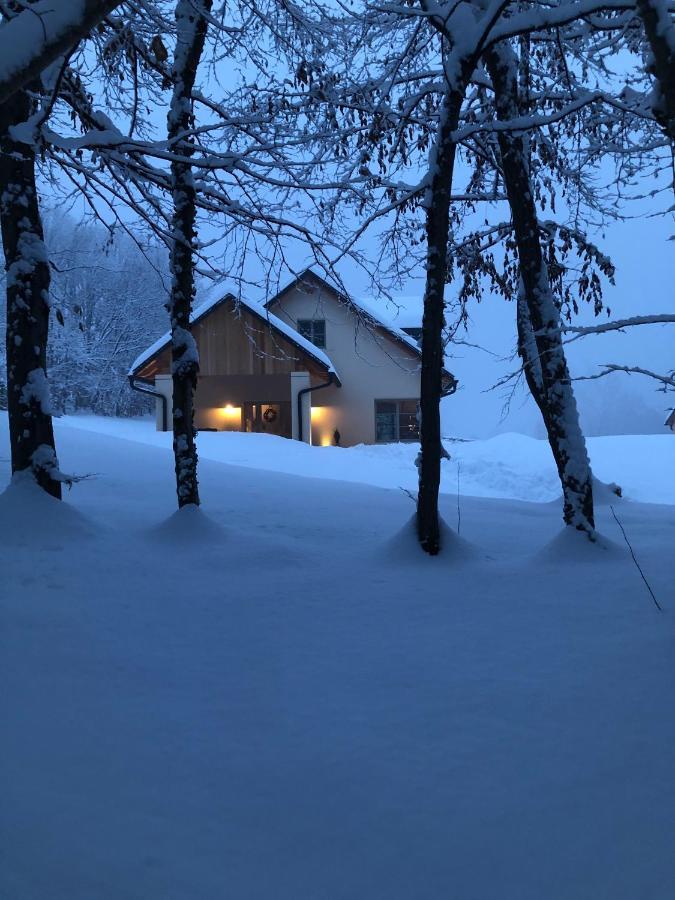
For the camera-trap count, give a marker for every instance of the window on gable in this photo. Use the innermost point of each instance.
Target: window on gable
(313, 330)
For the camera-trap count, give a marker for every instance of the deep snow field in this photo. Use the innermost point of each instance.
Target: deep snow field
(279, 697)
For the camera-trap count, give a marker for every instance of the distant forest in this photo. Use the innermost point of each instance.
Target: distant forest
(107, 305)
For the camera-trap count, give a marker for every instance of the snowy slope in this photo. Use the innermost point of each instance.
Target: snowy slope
(508, 466)
(280, 697)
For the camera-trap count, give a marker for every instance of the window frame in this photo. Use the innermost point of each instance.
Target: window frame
(310, 333)
(398, 439)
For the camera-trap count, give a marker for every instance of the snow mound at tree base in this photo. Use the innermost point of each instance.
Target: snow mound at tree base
(606, 493)
(189, 524)
(572, 546)
(31, 517)
(404, 547)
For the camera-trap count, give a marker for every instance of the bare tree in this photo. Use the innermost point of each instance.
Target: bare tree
(575, 122)
(539, 324)
(122, 167)
(27, 267)
(191, 26)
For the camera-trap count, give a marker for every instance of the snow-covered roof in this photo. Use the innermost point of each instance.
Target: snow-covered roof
(216, 295)
(392, 323)
(402, 311)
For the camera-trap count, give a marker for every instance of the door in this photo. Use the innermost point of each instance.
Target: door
(268, 418)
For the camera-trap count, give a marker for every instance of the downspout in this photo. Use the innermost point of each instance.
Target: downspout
(144, 388)
(308, 390)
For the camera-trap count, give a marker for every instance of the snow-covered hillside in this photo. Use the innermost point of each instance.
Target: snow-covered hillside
(279, 696)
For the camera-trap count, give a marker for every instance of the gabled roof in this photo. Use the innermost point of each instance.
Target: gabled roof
(213, 299)
(365, 313)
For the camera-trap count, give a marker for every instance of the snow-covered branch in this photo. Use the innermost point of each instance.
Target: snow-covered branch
(36, 37)
(667, 381)
(617, 325)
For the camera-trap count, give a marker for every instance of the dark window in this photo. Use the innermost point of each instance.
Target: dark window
(385, 422)
(396, 420)
(314, 330)
(415, 333)
(408, 426)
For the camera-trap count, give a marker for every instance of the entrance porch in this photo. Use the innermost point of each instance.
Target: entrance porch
(267, 404)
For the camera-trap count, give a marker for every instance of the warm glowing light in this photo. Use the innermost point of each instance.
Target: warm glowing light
(230, 410)
(326, 442)
(317, 412)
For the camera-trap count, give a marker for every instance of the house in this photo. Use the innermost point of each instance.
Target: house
(310, 364)
(670, 421)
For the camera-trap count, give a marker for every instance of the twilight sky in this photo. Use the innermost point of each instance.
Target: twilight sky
(618, 403)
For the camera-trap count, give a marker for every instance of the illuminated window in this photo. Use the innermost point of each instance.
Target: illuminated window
(396, 420)
(314, 330)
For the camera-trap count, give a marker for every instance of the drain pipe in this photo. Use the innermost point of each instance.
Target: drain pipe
(308, 390)
(144, 388)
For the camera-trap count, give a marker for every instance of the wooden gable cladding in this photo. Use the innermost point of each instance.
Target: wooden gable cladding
(232, 340)
(159, 364)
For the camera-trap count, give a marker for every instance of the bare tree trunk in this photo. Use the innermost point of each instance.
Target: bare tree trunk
(527, 350)
(547, 373)
(660, 30)
(30, 423)
(191, 22)
(441, 167)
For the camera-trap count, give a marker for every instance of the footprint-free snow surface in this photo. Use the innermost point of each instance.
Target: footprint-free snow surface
(279, 697)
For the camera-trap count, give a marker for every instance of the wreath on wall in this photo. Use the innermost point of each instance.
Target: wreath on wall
(270, 415)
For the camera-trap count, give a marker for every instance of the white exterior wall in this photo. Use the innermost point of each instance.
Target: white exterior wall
(300, 382)
(164, 384)
(371, 366)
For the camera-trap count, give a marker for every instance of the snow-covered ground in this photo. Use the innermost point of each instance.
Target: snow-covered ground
(280, 697)
(510, 466)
